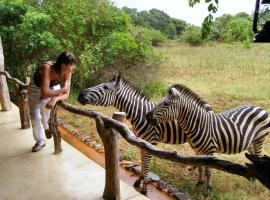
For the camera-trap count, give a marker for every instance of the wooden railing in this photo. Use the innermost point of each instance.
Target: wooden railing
(21, 98)
(107, 127)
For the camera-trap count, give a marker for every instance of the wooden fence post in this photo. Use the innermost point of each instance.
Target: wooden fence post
(22, 101)
(4, 93)
(55, 131)
(110, 139)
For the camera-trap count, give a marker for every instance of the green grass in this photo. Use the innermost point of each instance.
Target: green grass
(226, 76)
(218, 71)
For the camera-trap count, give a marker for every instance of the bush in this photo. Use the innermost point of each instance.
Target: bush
(155, 36)
(192, 35)
(120, 49)
(154, 88)
(239, 30)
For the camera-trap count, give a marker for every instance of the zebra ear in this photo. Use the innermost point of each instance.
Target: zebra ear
(118, 80)
(175, 92)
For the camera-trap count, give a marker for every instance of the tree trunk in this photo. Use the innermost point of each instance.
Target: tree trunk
(4, 93)
(55, 131)
(22, 101)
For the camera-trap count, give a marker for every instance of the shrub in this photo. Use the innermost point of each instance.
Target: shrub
(192, 35)
(154, 88)
(239, 30)
(119, 49)
(155, 36)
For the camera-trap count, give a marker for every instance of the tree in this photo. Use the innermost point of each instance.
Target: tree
(132, 12)
(158, 20)
(239, 29)
(34, 31)
(192, 35)
(220, 27)
(162, 20)
(180, 25)
(170, 31)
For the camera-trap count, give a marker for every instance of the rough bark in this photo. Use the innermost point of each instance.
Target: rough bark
(111, 146)
(22, 101)
(55, 131)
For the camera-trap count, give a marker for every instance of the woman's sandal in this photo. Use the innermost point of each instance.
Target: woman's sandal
(38, 147)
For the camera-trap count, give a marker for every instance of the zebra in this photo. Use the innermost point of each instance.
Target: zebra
(230, 132)
(121, 94)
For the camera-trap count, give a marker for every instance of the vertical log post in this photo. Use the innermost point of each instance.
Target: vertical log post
(110, 139)
(4, 93)
(22, 101)
(55, 131)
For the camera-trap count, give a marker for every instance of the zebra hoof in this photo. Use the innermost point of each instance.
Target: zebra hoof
(137, 183)
(209, 188)
(144, 192)
(190, 169)
(199, 183)
(208, 191)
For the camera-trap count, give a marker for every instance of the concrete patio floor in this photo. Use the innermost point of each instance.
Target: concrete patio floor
(44, 175)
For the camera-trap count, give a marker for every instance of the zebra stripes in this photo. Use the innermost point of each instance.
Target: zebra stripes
(122, 95)
(230, 132)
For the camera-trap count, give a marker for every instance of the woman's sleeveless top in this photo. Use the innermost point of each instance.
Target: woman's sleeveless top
(37, 75)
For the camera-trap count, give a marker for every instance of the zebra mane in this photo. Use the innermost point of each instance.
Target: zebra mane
(188, 93)
(138, 92)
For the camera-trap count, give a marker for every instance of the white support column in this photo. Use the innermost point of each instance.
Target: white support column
(4, 93)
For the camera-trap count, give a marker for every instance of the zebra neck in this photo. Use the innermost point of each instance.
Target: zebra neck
(133, 104)
(192, 118)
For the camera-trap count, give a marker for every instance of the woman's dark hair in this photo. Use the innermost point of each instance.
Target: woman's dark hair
(64, 58)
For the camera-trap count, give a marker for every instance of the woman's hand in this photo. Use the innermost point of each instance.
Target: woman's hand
(66, 86)
(51, 103)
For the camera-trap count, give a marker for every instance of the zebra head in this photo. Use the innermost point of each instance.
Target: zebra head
(165, 111)
(101, 95)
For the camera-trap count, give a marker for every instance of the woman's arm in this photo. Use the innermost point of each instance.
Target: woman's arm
(62, 96)
(46, 92)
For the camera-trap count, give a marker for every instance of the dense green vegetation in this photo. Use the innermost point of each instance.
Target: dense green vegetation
(99, 34)
(158, 20)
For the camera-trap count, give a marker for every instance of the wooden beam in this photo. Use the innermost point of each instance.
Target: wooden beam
(110, 139)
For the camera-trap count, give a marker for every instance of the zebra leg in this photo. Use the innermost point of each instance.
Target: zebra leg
(139, 180)
(251, 149)
(201, 170)
(258, 147)
(146, 159)
(208, 173)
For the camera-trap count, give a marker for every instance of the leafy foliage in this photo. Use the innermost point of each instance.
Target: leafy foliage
(119, 48)
(240, 29)
(155, 36)
(192, 35)
(157, 19)
(220, 27)
(208, 20)
(98, 33)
